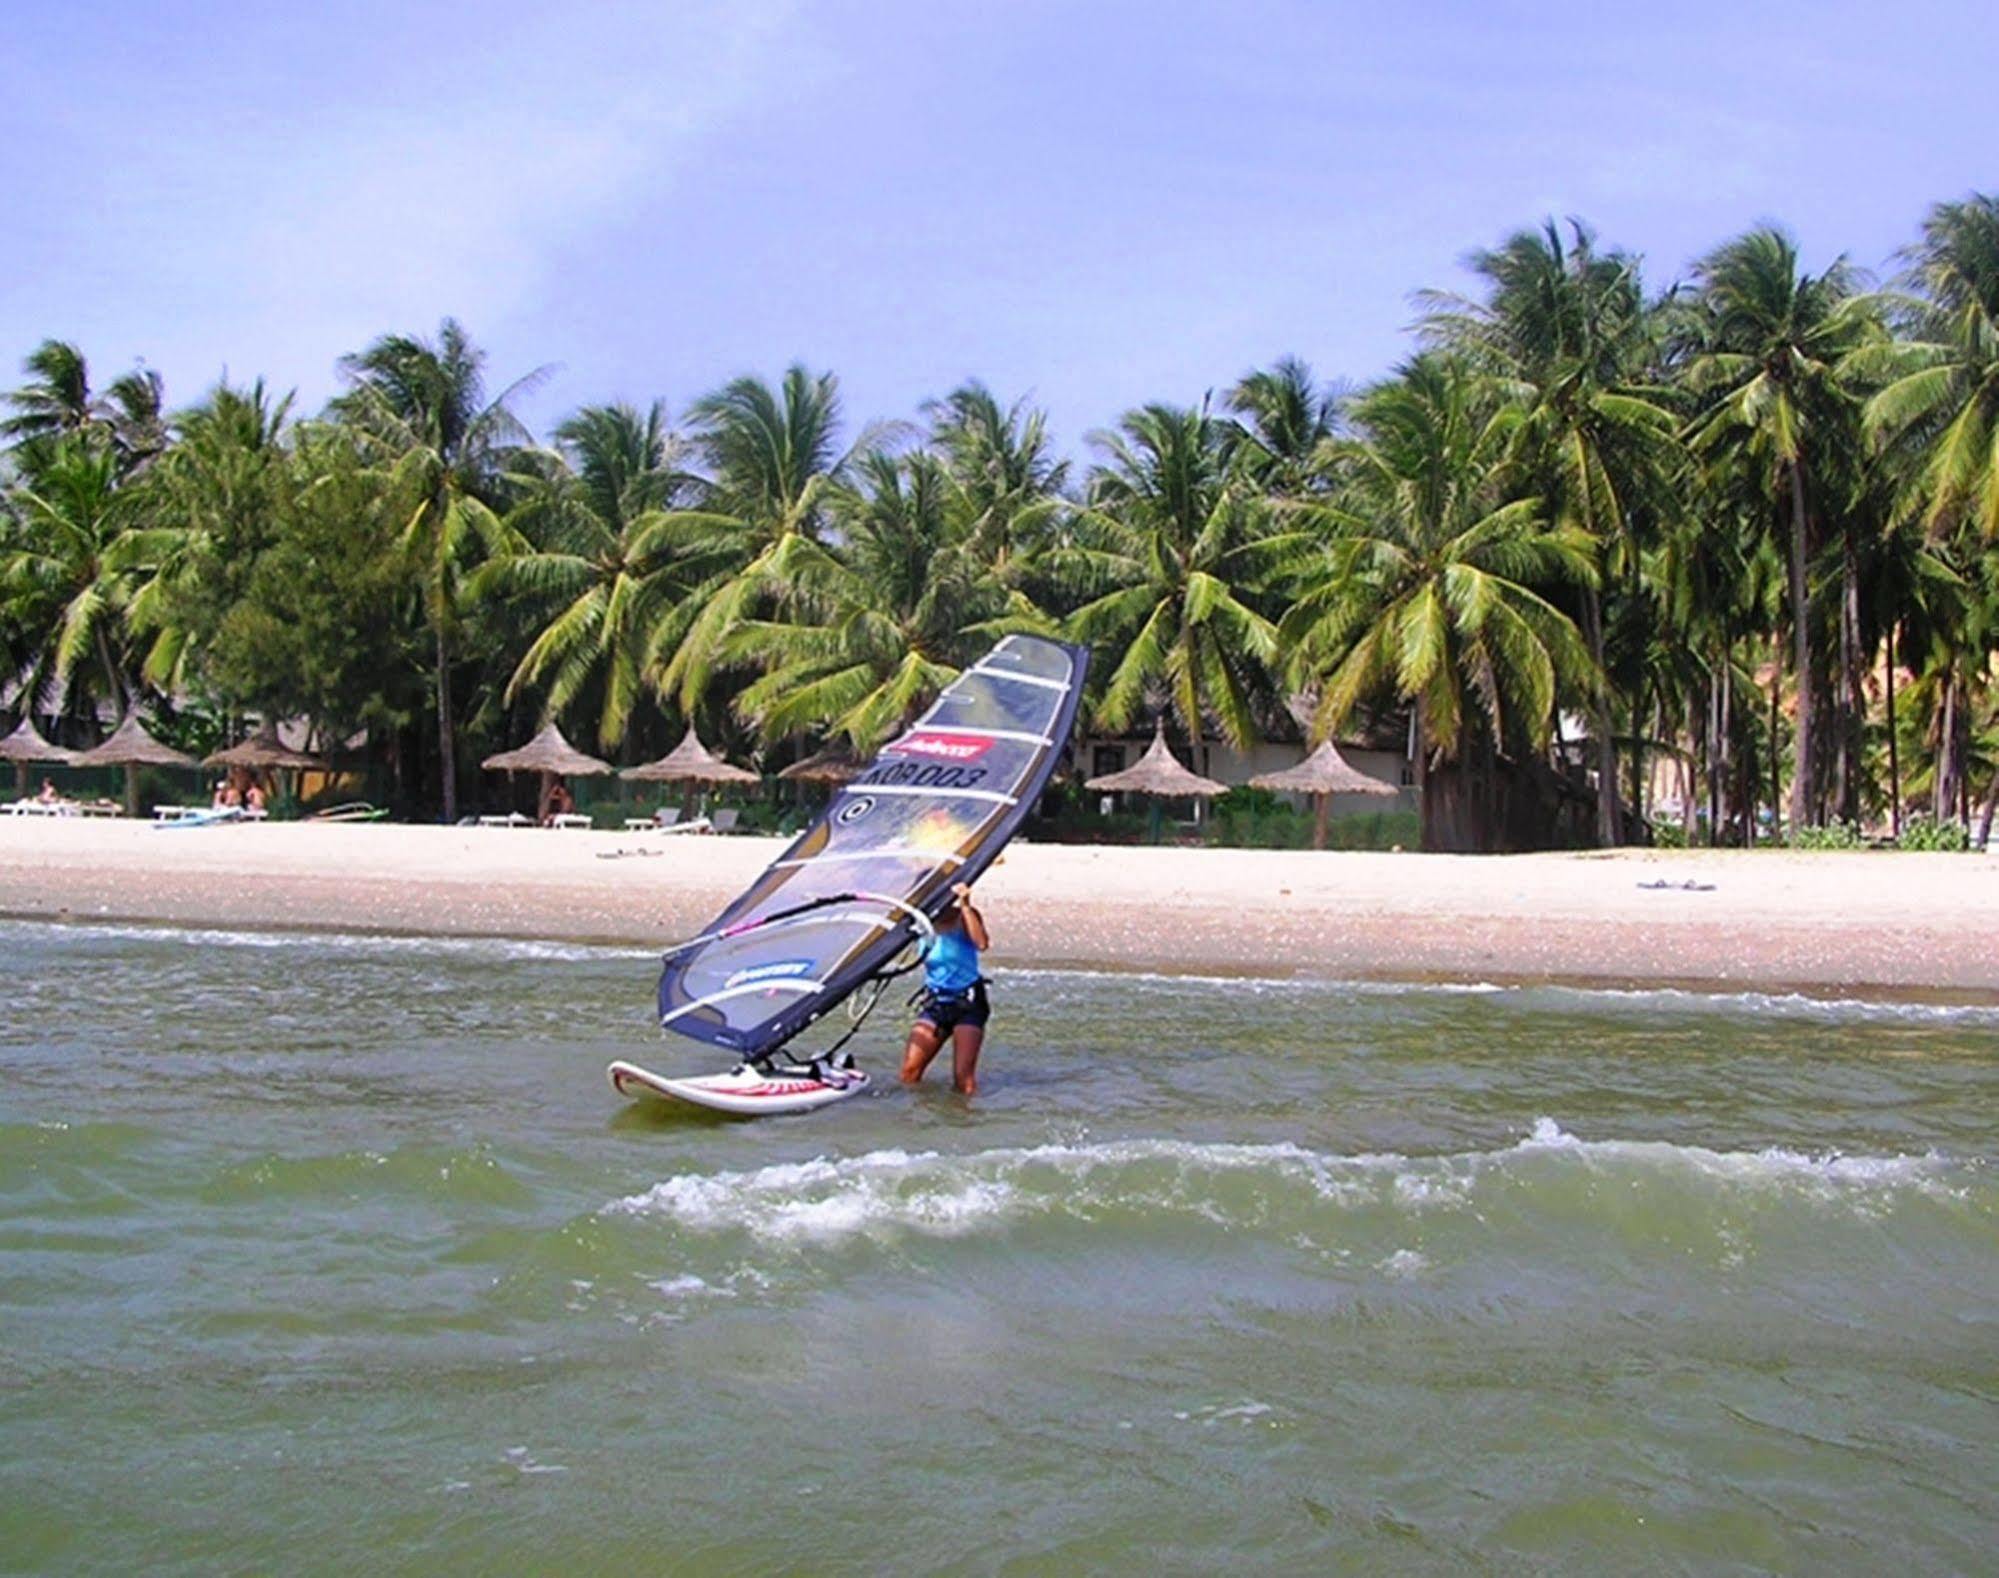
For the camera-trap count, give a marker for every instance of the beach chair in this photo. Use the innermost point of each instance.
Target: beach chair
(573, 820)
(511, 819)
(173, 813)
(724, 820)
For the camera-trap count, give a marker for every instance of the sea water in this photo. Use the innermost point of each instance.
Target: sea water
(337, 1254)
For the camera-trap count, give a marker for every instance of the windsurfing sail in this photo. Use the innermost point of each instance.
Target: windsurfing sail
(860, 885)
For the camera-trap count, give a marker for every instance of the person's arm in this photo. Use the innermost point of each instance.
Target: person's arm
(975, 923)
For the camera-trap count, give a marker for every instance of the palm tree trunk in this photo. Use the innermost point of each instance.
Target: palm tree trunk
(1419, 752)
(1943, 797)
(1322, 806)
(447, 743)
(1801, 631)
(1983, 838)
(1847, 794)
(1894, 755)
(1608, 833)
(1776, 772)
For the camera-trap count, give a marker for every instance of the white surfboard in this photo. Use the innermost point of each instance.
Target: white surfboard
(742, 1091)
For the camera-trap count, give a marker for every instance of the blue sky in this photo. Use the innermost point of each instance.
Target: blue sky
(1096, 204)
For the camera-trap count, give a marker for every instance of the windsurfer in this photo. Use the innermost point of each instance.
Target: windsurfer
(954, 997)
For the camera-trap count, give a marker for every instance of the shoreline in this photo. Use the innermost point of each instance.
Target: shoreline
(1861, 924)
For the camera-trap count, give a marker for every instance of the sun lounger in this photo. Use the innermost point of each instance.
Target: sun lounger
(41, 808)
(511, 819)
(353, 811)
(726, 819)
(665, 818)
(101, 808)
(570, 819)
(173, 813)
(700, 824)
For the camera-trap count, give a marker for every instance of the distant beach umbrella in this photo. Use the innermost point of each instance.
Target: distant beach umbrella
(26, 745)
(690, 762)
(131, 748)
(1322, 775)
(1159, 775)
(263, 751)
(549, 754)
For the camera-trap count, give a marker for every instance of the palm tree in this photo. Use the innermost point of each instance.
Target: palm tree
(421, 407)
(59, 567)
(56, 400)
(1285, 415)
(212, 507)
(775, 467)
(1421, 577)
(1942, 388)
(1774, 337)
(592, 547)
(1565, 330)
(1166, 552)
(886, 621)
(1005, 478)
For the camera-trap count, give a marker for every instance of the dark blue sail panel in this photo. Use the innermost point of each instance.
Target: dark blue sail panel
(933, 809)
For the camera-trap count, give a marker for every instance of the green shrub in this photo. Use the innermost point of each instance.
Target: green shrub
(1834, 835)
(1930, 836)
(1669, 835)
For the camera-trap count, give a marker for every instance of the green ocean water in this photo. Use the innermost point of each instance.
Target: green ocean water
(329, 1254)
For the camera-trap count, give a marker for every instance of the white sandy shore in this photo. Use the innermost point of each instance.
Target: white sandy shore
(1824, 922)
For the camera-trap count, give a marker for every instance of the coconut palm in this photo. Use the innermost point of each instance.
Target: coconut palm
(1167, 555)
(1422, 579)
(421, 408)
(882, 623)
(56, 399)
(1775, 406)
(592, 550)
(1284, 415)
(775, 467)
(58, 568)
(212, 506)
(1565, 328)
(1005, 477)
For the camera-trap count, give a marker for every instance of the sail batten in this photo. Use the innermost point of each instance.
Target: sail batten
(934, 808)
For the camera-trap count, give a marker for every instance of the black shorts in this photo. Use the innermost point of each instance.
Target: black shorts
(948, 1010)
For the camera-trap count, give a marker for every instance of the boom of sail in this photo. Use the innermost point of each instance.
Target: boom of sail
(859, 887)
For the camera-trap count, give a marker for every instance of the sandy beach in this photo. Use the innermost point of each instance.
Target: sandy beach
(1864, 922)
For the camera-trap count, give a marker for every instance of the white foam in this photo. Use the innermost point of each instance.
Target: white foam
(885, 1193)
(523, 948)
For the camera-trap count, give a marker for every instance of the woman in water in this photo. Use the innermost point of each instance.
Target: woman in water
(954, 997)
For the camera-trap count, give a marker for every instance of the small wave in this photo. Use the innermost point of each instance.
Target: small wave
(387, 943)
(889, 1192)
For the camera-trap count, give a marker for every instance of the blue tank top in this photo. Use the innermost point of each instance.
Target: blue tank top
(953, 964)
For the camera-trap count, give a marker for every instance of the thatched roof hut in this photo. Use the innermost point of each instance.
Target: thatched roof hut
(1321, 775)
(26, 745)
(690, 762)
(131, 748)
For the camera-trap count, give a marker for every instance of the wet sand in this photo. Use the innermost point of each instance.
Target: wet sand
(1823, 922)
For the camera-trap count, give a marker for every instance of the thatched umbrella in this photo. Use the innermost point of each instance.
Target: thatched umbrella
(131, 748)
(26, 745)
(264, 752)
(1321, 775)
(1159, 774)
(549, 754)
(690, 762)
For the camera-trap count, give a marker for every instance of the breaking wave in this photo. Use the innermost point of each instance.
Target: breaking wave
(888, 1193)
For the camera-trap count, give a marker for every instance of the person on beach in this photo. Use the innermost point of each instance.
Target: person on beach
(48, 796)
(954, 997)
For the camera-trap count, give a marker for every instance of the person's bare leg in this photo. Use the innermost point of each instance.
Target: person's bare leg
(924, 1040)
(965, 1043)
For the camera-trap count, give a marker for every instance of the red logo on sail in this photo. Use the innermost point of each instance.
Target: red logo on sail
(942, 747)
